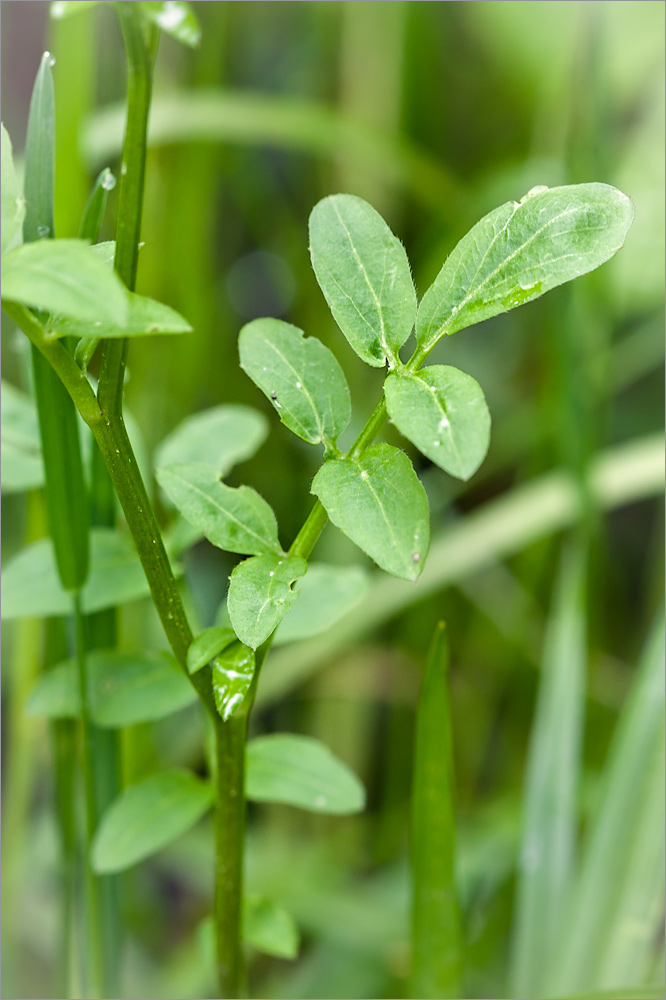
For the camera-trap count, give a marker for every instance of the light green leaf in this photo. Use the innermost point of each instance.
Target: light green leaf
(234, 519)
(380, 504)
(233, 671)
(222, 437)
(147, 817)
(269, 927)
(125, 689)
(31, 587)
(363, 271)
(207, 645)
(145, 318)
(21, 450)
(260, 594)
(176, 18)
(443, 412)
(13, 202)
(65, 276)
(63, 8)
(326, 594)
(436, 926)
(300, 771)
(522, 250)
(300, 376)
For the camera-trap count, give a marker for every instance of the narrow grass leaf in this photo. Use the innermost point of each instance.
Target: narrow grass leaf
(550, 819)
(31, 587)
(521, 250)
(208, 644)
(147, 817)
(125, 689)
(93, 213)
(68, 277)
(326, 594)
(617, 909)
(363, 271)
(436, 925)
(222, 437)
(269, 928)
(443, 412)
(12, 200)
(175, 18)
(300, 771)
(378, 501)
(299, 375)
(260, 594)
(39, 168)
(235, 519)
(21, 449)
(233, 671)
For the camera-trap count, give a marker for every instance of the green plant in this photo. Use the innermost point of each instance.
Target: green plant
(371, 492)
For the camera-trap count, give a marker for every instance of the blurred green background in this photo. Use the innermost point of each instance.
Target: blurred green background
(435, 113)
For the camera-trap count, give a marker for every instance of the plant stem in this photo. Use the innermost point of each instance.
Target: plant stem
(94, 973)
(230, 740)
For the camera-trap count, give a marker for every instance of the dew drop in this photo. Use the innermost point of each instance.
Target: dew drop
(123, 168)
(43, 231)
(416, 557)
(437, 444)
(49, 58)
(298, 385)
(433, 389)
(108, 181)
(364, 475)
(444, 422)
(272, 573)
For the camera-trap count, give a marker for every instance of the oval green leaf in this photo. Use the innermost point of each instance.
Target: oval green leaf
(233, 671)
(299, 375)
(125, 689)
(145, 318)
(378, 501)
(21, 450)
(234, 519)
(65, 276)
(520, 251)
(207, 645)
(326, 594)
(147, 817)
(260, 594)
(300, 771)
(13, 202)
(222, 437)
(443, 412)
(363, 271)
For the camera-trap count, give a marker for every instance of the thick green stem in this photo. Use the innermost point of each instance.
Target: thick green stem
(230, 740)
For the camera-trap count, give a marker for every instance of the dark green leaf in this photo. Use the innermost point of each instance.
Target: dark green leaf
(260, 594)
(68, 277)
(222, 437)
(207, 645)
(522, 250)
(234, 519)
(380, 504)
(147, 817)
(13, 202)
(363, 271)
(302, 772)
(233, 670)
(443, 412)
(326, 594)
(300, 376)
(21, 450)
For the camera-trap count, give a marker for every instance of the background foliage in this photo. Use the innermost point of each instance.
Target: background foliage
(435, 113)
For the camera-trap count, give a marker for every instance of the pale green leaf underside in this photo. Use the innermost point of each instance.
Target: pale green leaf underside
(378, 501)
(222, 437)
(260, 594)
(146, 317)
(125, 689)
(233, 671)
(326, 594)
(31, 587)
(67, 277)
(444, 413)
(269, 927)
(300, 771)
(234, 519)
(13, 202)
(299, 375)
(521, 250)
(147, 817)
(21, 450)
(176, 18)
(207, 645)
(363, 271)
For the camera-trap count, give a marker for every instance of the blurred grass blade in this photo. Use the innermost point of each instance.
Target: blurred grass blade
(551, 787)
(614, 929)
(436, 929)
(13, 202)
